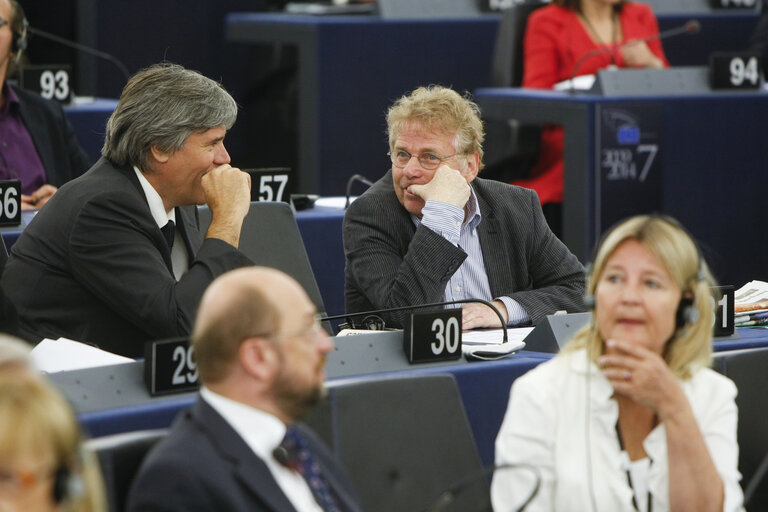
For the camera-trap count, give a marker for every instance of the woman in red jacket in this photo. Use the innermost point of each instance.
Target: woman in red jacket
(595, 34)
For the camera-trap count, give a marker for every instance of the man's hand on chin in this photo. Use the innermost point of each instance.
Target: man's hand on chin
(447, 185)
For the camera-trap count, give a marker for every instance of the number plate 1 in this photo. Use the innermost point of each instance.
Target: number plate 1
(10, 202)
(170, 367)
(723, 304)
(270, 184)
(433, 336)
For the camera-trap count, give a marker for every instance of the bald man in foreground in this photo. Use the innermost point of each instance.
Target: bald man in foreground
(260, 352)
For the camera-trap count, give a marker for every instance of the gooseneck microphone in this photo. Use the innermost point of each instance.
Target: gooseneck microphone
(456, 490)
(349, 316)
(356, 177)
(82, 48)
(690, 27)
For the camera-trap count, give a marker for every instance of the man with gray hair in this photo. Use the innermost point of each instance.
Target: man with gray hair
(115, 259)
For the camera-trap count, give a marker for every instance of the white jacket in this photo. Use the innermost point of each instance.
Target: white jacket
(545, 425)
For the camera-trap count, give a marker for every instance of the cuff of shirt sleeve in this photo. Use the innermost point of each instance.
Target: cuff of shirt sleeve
(515, 312)
(444, 219)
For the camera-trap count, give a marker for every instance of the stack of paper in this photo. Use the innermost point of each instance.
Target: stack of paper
(751, 305)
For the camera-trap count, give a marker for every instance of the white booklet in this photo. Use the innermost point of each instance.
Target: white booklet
(60, 355)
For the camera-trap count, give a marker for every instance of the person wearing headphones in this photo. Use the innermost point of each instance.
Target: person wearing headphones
(43, 466)
(628, 417)
(37, 143)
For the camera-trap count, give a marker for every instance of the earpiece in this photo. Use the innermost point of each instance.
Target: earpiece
(686, 314)
(19, 42)
(67, 484)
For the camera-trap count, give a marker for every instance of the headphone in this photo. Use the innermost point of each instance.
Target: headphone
(686, 313)
(67, 484)
(19, 41)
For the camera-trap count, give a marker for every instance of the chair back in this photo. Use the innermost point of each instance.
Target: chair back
(747, 369)
(120, 456)
(403, 442)
(507, 67)
(271, 237)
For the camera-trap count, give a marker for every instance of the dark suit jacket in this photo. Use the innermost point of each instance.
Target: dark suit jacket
(204, 465)
(390, 263)
(93, 266)
(55, 141)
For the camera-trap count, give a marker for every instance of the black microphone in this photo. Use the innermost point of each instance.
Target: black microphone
(380, 323)
(457, 489)
(356, 177)
(690, 27)
(83, 48)
(281, 455)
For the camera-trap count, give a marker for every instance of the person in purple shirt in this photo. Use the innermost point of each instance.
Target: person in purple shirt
(37, 144)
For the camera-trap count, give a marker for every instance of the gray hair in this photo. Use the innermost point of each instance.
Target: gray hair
(162, 106)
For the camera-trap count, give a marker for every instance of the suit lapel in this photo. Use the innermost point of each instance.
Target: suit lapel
(248, 468)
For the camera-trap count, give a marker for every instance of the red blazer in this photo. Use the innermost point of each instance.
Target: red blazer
(555, 40)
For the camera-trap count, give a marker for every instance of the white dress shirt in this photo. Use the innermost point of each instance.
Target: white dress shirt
(179, 256)
(545, 425)
(263, 432)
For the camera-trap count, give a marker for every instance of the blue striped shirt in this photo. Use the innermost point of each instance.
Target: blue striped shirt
(470, 281)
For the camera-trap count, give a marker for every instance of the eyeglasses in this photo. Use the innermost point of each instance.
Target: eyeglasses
(428, 161)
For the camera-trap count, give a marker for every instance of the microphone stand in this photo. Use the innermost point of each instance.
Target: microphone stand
(355, 177)
(449, 496)
(348, 316)
(83, 48)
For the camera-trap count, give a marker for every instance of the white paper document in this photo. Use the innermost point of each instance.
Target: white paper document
(753, 291)
(577, 83)
(60, 355)
(488, 343)
(494, 336)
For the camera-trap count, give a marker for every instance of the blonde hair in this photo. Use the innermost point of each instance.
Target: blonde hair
(35, 419)
(441, 110)
(691, 345)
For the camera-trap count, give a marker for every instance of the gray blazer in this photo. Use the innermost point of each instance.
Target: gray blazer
(390, 262)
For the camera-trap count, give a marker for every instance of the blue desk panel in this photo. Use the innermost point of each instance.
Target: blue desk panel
(89, 119)
(484, 388)
(351, 68)
(712, 159)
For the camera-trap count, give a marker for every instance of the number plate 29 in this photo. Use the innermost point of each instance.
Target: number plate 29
(433, 336)
(170, 367)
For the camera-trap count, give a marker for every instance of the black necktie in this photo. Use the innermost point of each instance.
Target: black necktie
(169, 231)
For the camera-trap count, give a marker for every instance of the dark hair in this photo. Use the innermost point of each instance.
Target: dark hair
(575, 5)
